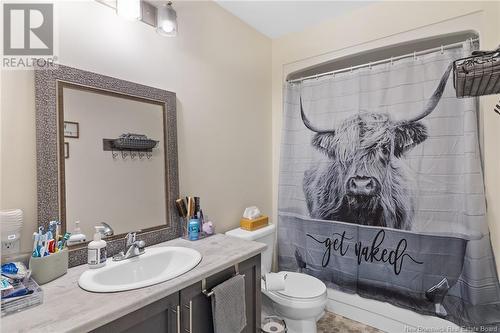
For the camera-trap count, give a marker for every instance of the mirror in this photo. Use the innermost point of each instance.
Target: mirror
(106, 152)
(101, 180)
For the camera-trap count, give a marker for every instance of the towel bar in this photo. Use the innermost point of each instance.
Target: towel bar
(211, 292)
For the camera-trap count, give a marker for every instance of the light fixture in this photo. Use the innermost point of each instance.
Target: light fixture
(166, 20)
(129, 9)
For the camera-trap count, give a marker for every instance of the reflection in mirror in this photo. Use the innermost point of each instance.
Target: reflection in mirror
(121, 183)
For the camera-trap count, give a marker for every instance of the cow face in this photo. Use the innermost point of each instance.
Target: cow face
(364, 147)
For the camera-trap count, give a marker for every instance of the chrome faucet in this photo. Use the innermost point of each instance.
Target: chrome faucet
(107, 231)
(133, 248)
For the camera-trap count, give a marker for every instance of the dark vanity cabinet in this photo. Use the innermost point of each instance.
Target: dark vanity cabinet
(190, 309)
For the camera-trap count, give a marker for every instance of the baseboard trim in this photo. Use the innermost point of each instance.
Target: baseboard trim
(384, 316)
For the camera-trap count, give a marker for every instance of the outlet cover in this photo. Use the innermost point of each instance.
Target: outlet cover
(10, 247)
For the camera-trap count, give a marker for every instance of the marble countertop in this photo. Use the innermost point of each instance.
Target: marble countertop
(68, 308)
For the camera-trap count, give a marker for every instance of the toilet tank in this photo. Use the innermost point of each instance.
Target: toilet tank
(264, 235)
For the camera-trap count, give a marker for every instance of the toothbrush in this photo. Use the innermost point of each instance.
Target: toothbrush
(58, 230)
(46, 245)
(49, 235)
(43, 248)
(36, 238)
(62, 242)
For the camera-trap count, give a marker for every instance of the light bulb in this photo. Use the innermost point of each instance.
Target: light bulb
(168, 26)
(167, 20)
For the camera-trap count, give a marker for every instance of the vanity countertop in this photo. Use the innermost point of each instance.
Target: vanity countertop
(68, 308)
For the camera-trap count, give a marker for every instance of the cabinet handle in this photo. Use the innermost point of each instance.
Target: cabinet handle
(178, 319)
(190, 307)
(190, 316)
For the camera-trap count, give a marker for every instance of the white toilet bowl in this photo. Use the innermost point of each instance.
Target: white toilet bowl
(301, 304)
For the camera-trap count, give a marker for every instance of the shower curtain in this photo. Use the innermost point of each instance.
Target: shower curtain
(381, 189)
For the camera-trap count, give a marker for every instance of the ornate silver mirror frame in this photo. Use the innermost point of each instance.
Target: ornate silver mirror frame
(47, 85)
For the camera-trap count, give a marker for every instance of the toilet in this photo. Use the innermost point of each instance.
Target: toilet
(302, 303)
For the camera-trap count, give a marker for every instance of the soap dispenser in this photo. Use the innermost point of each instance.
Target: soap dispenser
(97, 250)
(77, 236)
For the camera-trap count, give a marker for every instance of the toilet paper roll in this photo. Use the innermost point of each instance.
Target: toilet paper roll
(275, 281)
(273, 327)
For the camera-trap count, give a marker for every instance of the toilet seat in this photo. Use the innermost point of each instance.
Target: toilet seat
(300, 289)
(302, 286)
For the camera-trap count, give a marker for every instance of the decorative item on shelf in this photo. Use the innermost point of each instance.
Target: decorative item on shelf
(131, 141)
(477, 75)
(71, 129)
(130, 144)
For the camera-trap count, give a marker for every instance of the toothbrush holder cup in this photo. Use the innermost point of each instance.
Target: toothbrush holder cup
(48, 268)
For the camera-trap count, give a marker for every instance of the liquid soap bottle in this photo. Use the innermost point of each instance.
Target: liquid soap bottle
(97, 250)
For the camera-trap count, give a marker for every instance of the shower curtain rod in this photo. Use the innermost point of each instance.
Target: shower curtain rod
(414, 54)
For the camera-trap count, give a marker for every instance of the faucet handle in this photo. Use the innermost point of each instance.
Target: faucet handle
(130, 238)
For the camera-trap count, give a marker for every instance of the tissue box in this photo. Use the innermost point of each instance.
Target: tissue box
(254, 224)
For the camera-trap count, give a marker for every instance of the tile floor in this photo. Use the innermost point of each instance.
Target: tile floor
(332, 323)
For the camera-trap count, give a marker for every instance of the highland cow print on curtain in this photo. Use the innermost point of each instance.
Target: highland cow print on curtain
(381, 189)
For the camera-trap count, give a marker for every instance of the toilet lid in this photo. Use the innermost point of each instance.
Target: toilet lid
(298, 285)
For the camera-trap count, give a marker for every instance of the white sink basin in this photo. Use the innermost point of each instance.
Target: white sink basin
(157, 264)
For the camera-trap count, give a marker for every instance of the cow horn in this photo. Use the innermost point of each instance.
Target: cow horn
(434, 100)
(308, 123)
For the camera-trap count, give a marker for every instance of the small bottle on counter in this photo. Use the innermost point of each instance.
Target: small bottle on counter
(97, 250)
(194, 229)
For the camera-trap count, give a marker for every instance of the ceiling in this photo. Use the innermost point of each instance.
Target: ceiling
(278, 18)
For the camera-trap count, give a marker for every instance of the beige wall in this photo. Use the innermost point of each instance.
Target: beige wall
(218, 66)
(383, 24)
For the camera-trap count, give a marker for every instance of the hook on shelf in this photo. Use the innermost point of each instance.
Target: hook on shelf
(124, 154)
